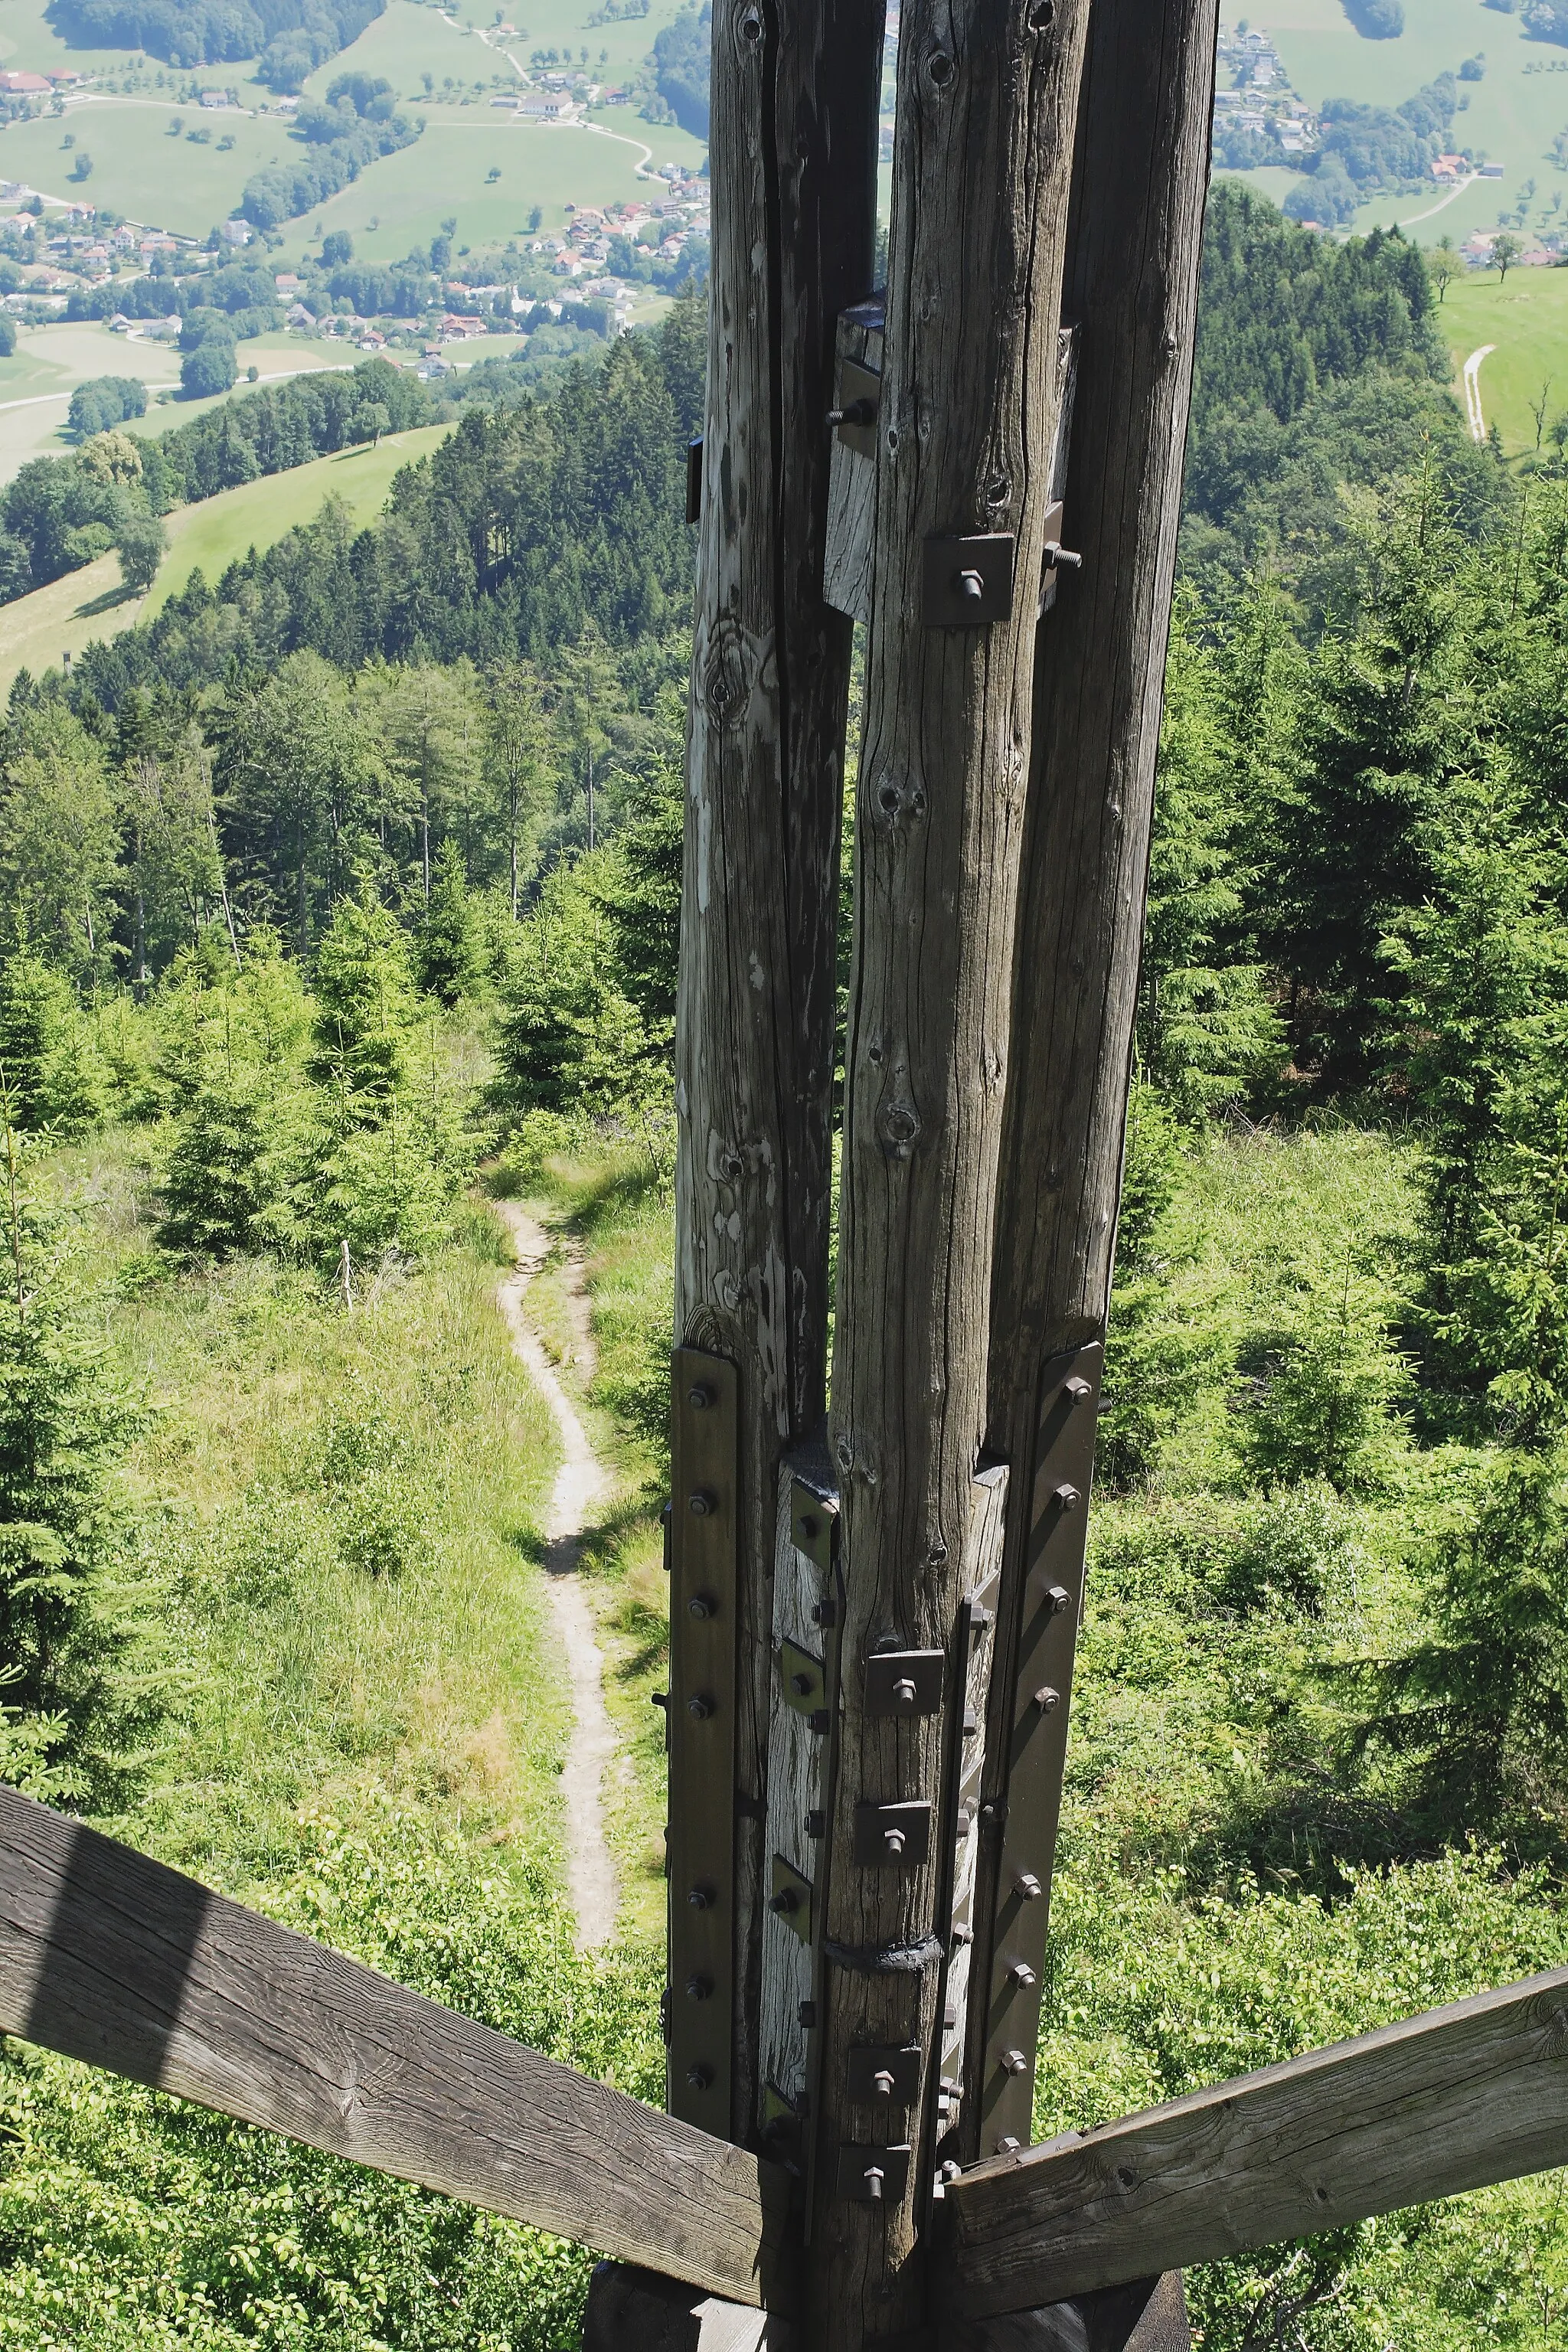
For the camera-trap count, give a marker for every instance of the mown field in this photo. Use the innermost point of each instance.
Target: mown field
(1525, 315)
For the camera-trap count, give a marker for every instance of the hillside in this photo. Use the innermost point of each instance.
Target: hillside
(1512, 113)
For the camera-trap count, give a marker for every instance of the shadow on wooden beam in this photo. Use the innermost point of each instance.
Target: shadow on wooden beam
(636, 2311)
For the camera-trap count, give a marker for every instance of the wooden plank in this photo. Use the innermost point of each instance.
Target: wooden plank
(1440, 2102)
(983, 156)
(1130, 284)
(117, 1961)
(806, 1617)
(793, 160)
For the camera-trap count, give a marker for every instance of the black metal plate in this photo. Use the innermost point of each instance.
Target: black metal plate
(902, 2065)
(813, 1523)
(949, 564)
(855, 2162)
(904, 1682)
(1063, 1459)
(872, 1821)
(790, 1894)
(694, 480)
(805, 1678)
(702, 1548)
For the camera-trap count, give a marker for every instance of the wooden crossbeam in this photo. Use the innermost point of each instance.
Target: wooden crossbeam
(115, 1960)
(1450, 2100)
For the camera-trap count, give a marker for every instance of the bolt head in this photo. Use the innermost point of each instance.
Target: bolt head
(700, 2077)
(699, 1988)
(1047, 1699)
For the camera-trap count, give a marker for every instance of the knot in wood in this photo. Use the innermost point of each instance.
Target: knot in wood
(899, 796)
(899, 1125)
(726, 675)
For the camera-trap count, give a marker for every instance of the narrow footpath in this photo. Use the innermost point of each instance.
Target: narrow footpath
(581, 1483)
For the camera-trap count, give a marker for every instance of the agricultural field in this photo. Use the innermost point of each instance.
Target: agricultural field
(68, 614)
(37, 380)
(1512, 114)
(403, 202)
(446, 66)
(182, 185)
(1526, 318)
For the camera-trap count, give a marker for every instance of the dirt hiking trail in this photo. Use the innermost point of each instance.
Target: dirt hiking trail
(580, 1484)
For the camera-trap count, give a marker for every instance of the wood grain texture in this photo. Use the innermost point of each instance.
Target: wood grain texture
(792, 164)
(1130, 286)
(115, 1960)
(981, 159)
(1444, 2102)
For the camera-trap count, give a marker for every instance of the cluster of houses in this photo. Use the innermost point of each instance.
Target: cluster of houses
(1260, 100)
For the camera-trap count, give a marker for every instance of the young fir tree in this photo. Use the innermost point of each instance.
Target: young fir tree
(55, 1076)
(450, 959)
(364, 1009)
(65, 1424)
(1483, 974)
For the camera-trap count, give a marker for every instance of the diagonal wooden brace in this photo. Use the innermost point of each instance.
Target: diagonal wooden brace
(115, 1960)
(1448, 2101)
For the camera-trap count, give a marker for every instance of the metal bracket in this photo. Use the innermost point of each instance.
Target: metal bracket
(892, 1837)
(790, 1896)
(881, 2076)
(904, 1682)
(694, 480)
(871, 2175)
(805, 1679)
(1051, 1601)
(968, 582)
(860, 398)
(700, 1715)
(813, 1520)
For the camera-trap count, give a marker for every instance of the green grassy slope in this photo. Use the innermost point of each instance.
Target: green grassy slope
(66, 615)
(1526, 317)
(179, 184)
(216, 531)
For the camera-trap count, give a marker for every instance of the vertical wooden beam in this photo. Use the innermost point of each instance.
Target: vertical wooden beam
(1139, 180)
(982, 157)
(793, 149)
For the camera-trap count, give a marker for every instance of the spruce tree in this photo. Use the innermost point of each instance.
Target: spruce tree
(65, 1423)
(448, 959)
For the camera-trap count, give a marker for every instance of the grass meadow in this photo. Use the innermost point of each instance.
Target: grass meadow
(1525, 315)
(68, 614)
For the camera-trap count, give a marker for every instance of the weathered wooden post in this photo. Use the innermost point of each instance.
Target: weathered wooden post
(794, 150)
(965, 413)
(1135, 247)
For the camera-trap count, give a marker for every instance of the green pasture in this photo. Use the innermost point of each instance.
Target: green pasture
(66, 615)
(213, 532)
(37, 380)
(402, 202)
(1526, 316)
(179, 184)
(29, 44)
(1512, 114)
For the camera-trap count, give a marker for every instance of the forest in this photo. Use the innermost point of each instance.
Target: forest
(342, 901)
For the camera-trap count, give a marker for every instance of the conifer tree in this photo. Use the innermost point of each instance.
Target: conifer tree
(65, 1424)
(449, 957)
